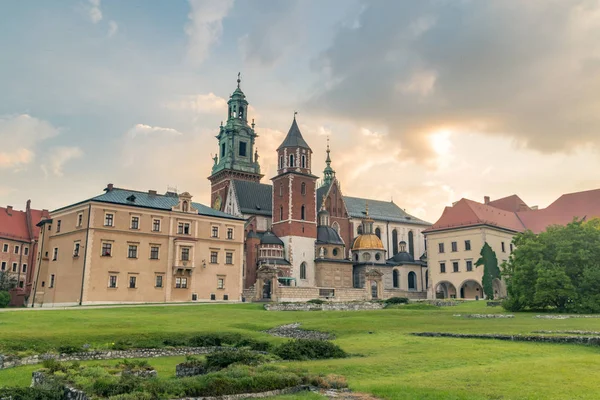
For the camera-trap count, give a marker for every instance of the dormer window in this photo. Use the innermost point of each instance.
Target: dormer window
(184, 206)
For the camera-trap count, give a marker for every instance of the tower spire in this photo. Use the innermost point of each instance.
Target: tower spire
(239, 80)
(328, 172)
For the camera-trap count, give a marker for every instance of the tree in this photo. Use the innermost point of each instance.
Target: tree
(7, 281)
(490, 269)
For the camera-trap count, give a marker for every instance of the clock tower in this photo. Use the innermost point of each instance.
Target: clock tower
(236, 157)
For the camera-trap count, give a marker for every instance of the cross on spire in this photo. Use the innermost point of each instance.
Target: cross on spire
(295, 112)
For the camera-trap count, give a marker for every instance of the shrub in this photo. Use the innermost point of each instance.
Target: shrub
(54, 366)
(134, 365)
(223, 359)
(175, 342)
(122, 344)
(68, 349)
(315, 301)
(31, 393)
(309, 349)
(397, 300)
(330, 381)
(253, 344)
(215, 339)
(4, 299)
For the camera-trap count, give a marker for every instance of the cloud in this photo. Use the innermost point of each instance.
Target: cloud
(19, 136)
(205, 27)
(145, 130)
(200, 103)
(58, 157)
(113, 28)
(95, 13)
(529, 71)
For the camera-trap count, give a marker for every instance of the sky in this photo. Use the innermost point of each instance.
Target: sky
(424, 102)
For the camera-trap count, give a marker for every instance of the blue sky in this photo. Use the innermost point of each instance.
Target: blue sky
(425, 102)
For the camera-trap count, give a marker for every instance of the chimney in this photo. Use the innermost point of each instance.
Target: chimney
(486, 200)
(534, 207)
(109, 187)
(152, 192)
(28, 207)
(9, 210)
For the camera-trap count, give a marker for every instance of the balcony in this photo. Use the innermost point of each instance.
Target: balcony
(184, 266)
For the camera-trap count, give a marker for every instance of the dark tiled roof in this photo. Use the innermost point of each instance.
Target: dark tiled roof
(320, 193)
(380, 210)
(270, 238)
(254, 198)
(328, 235)
(134, 198)
(294, 138)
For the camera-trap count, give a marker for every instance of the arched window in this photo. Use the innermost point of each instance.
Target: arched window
(241, 114)
(412, 281)
(302, 216)
(303, 161)
(292, 160)
(303, 188)
(335, 252)
(303, 270)
(359, 230)
(336, 226)
(378, 232)
(281, 213)
(411, 244)
(280, 162)
(222, 150)
(184, 206)
(395, 241)
(281, 190)
(396, 278)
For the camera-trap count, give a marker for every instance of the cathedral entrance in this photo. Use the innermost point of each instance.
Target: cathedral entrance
(374, 291)
(267, 289)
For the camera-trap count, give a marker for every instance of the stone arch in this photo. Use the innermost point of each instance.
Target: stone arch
(395, 241)
(445, 290)
(396, 278)
(470, 289)
(412, 281)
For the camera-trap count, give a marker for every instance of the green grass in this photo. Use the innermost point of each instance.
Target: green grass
(390, 363)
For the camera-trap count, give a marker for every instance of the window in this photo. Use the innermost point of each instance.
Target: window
(21, 284)
(441, 247)
(302, 212)
(154, 252)
(55, 254)
(215, 231)
(159, 281)
(222, 150)
(396, 278)
(220, 283)
(511, 247)
(79, 219)
(378, 232)
(469, 265)
(185, 254)
(229, 233)
(26, 250)
(454, 247)
(335, 252)
(455, 266)
(17, 248)
(156, 225)
(242, 151)
(281, 213)
(112, 281)
(184, 206)
(135, 222)
(467, 245)
(5, 248)
(43, 283)
(3, 268)
(280, 164)
(228, 258)
(58, 223)
(52, 280)
(303, 270)
(394, 241)
(76, 247)
(281, 190)
(303, 188)
(132, 282)
(412, 281)
(303, 161)
(181, 283)
(14, 267)
(292, 160)
(106, 249)
(503, 248)
(442, 268)
(132, 252)
(183, 228)
(214, 257)
(109, 219)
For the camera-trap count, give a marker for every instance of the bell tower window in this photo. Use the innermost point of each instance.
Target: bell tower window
(303, 161)
(292, 160)
(222, 150)
(302, 213)
(242, 151)
(280, 162)
(241, 114)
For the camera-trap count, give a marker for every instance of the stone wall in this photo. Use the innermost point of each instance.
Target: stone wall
(413, 295)
(39, 378)
(589, 340)
(338, 306)
(8, 362)
(184, 369)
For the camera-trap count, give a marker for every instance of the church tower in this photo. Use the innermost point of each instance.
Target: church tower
(294, 205)
(236, 157)
(328, 172)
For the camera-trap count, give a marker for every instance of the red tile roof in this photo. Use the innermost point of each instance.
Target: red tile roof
(14, 224)
(466, 213)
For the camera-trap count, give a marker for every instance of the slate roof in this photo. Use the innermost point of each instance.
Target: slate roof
(294, 138)
(402, 258)
(270, 238)
(320, 193)
(254, 198)
(146, 200)
(380, 210)
(328, 235)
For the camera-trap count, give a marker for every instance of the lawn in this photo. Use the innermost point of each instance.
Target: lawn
(389, 363)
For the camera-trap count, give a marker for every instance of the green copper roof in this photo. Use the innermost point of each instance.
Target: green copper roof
(294, 138)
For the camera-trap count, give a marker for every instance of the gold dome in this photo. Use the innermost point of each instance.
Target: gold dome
(367, 242)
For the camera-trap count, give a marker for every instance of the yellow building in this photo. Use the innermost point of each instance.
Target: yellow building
(126, 246)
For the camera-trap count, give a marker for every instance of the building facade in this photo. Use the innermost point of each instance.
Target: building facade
(19, 237)
(126, 246)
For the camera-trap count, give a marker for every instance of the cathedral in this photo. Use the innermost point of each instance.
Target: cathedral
(304, 238)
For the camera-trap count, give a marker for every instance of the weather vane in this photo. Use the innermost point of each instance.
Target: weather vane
(295, 112)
